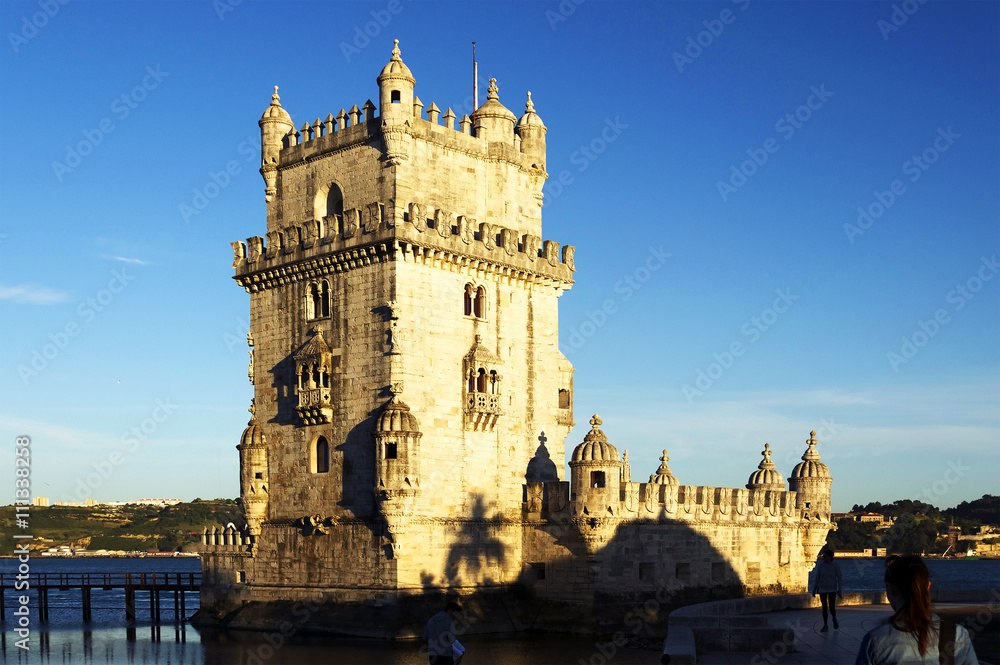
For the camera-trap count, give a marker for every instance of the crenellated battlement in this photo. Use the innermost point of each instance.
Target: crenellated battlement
(664, 503)
(418, 231)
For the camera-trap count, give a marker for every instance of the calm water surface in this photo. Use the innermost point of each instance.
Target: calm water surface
(65, 639)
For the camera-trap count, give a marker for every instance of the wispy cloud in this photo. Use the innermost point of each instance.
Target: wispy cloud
(124, 259)
(29, 294)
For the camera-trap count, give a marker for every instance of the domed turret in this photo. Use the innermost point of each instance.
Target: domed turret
(274, 125)
(810, 466)
(493, 121)
(397, 451)
(397, 418)
(663, 476)
(595, 446)
(253, 473)
(395, 88)
(595, 473)
(766, 477)
(532, 131)
(811, 481)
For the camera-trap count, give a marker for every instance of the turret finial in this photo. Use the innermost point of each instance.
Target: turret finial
(766, 463)
(596, 421)
(275, 99)
(395, 49)
(529, 106)
(811, 452)
(493, 92)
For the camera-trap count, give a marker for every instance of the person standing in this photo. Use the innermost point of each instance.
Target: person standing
(912, 634)
(828, 583)
(440, 635)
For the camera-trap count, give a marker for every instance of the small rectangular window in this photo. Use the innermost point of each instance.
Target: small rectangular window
(259, 475)
(597, 479)
(390, 451)
(683, 572)
(718, 571)
(539, 569)
(647, 571)
(395, 96)
(241, 577)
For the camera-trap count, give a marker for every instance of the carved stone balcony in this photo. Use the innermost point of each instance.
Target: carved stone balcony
(482, 410)
(315, 407)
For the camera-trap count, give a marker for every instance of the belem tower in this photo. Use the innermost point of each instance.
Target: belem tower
(411, 404)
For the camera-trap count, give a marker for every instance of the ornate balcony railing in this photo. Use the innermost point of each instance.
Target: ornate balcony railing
(315, 406)
(482, 411)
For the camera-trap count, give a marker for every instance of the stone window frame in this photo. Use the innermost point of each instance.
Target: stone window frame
(323, 288)
(314, 457)
(474, 301)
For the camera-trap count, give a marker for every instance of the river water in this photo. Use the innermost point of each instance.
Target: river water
(66, 639)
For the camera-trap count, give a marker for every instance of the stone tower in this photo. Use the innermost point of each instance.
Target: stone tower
(411, 404)
(404, 315)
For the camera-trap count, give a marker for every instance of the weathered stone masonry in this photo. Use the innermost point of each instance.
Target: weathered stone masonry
(411, 403)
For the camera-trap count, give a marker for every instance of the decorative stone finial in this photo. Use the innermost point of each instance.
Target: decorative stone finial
(493, 92)
(252, 408)
(625, 456)
(664, 467)
(479, 339)
(529, 106)
(395, 49)
(766, 463)
(596, 420)
(275, 99)
(811, 452)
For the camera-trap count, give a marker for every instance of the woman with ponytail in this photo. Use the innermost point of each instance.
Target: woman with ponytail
(912, 634)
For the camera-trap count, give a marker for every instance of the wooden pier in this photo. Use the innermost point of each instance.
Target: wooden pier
(153, 583)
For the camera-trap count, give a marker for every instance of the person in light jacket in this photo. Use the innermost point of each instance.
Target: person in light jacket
(829, 584)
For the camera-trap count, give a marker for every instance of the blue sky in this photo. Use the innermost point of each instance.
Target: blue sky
(739, 138)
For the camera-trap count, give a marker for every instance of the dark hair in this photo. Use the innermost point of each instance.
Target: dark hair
(453, 606)
(826, 551)
(911, 578)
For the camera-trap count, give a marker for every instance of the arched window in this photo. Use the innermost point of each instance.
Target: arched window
(318, 300)
(494, 382)
(324, 299)
(479, 307)
(468, 299)
(334, 201)
(321, 456)
(481, 381)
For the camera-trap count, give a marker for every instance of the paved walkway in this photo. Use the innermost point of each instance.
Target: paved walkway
(811, 646)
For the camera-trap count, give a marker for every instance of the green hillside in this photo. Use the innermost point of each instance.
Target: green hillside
(120, 527)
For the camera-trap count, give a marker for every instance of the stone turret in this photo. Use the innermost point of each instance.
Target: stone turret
(274, 125)
(493, 121)
(766, 477)
(531, 130)
(253, 473)
(595, 474)
(397, 468)
(811, 481)
(395, 102)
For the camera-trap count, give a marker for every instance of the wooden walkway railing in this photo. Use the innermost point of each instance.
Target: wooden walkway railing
(154, 583)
